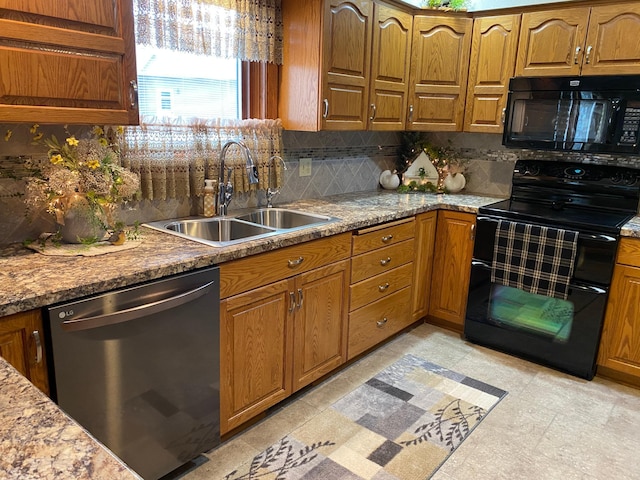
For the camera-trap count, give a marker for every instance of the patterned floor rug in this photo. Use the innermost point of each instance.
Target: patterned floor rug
(401, 424)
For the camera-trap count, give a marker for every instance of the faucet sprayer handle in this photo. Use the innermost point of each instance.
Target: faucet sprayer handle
(252, 173)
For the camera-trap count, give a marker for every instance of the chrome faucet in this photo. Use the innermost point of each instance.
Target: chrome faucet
(225, 190)
(271, 193)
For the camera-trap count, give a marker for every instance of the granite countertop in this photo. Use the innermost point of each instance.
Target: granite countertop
(38, 440)
(31, 280)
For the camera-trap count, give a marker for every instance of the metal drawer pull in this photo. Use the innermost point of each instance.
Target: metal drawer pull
(382, 288)
(36, 337)
(587, 59)
(575, 57)
(325, 114)
(385, 261)
(410, 114)
(292, 302)
(473, 232)
(296, 262)
(373, 112)
(300, 299)
(387, 238)
(382, 323)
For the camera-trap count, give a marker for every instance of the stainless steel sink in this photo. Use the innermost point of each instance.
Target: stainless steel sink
(214, 231)
(281, 218)
(252, 225)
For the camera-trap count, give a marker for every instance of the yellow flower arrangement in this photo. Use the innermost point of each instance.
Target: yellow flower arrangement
(83, 176)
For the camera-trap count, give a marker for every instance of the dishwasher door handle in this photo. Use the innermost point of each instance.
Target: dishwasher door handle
(135, 312)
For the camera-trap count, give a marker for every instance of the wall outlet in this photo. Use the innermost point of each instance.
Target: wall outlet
(304, 168)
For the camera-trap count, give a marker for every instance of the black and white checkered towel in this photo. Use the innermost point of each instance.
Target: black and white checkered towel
(533, 258)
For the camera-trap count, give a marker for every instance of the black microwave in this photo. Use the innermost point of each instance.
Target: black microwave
(587, 114)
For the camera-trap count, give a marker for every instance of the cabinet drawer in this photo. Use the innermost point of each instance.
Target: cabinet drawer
(380, 286)
(381, 260)
(368, 239)
(629, 252)
(247, 273)
(377, 321)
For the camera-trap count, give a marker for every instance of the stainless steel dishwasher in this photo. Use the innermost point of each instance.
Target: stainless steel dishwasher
(139, 369)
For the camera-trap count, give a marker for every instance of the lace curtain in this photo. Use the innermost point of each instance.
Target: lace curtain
(249, 30)
(174, 158)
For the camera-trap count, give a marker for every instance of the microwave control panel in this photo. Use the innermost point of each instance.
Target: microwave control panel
(630, 124)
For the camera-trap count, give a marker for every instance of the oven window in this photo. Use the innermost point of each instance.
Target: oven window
(546, 316)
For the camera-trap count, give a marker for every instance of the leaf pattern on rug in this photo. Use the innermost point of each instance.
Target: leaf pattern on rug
(451, 424)
(278, 461)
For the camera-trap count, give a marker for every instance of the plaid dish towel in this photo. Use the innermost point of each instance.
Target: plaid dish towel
(533, 258)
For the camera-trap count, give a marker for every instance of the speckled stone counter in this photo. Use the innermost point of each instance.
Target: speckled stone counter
(37, 440)
(40, 442)
(31, 280)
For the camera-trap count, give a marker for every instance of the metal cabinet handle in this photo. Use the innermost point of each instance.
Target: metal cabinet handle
(382, 323)
(575, 56)
(296, 262)
(382, 288)
(373, 112)
(587, 59)
(503, 116)
(300, 299)
(292, 302)
(133, 93)
(410, 119)
(36, 337)
(473, 231)
(387, 238)
(325, 114)
(385, 261)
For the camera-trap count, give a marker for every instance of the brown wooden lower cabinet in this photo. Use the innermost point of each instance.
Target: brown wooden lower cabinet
(451, 268)
(619, 354)
(425, 239)
(21, 344)
(279, 338)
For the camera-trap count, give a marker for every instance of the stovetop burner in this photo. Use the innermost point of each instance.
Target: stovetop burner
(600, 198)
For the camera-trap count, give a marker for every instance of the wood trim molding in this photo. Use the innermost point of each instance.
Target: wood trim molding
(259, 90)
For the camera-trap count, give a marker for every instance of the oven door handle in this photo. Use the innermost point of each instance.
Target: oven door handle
(589, 288)
(480, 263)
(599, 237)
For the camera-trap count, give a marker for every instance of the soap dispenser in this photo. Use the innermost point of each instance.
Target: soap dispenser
(209, 198)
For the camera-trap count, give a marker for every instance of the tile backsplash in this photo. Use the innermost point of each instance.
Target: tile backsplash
(342, 162)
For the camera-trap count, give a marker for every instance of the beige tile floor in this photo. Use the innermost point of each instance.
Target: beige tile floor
(550, 425)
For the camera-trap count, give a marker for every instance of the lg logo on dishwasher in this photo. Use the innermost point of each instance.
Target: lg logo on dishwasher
(64, 314)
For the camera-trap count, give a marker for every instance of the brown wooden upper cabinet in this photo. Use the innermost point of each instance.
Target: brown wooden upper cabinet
(493, 55)
(601, 40)
(331, 80)
(390, 60)
(439, 67)
(70, 61)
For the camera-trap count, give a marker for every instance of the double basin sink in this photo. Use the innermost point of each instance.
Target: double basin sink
(253, 225)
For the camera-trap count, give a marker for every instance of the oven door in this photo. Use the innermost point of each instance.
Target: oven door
(563, 334)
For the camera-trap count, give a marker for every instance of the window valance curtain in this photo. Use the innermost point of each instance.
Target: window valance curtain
(249, 30)
(173, 157)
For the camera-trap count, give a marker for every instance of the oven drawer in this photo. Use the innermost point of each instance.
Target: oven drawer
(595, 255)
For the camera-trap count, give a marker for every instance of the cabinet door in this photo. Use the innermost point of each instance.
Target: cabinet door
(620, 343)
(347, 63)
(552, 42)
(612, 46)
(320, 325)
(493, 57)
(438, 78)
(70, 61)
(256, 351)
(425, 239)
(21, 345)
(390, 59)
(451, 268)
